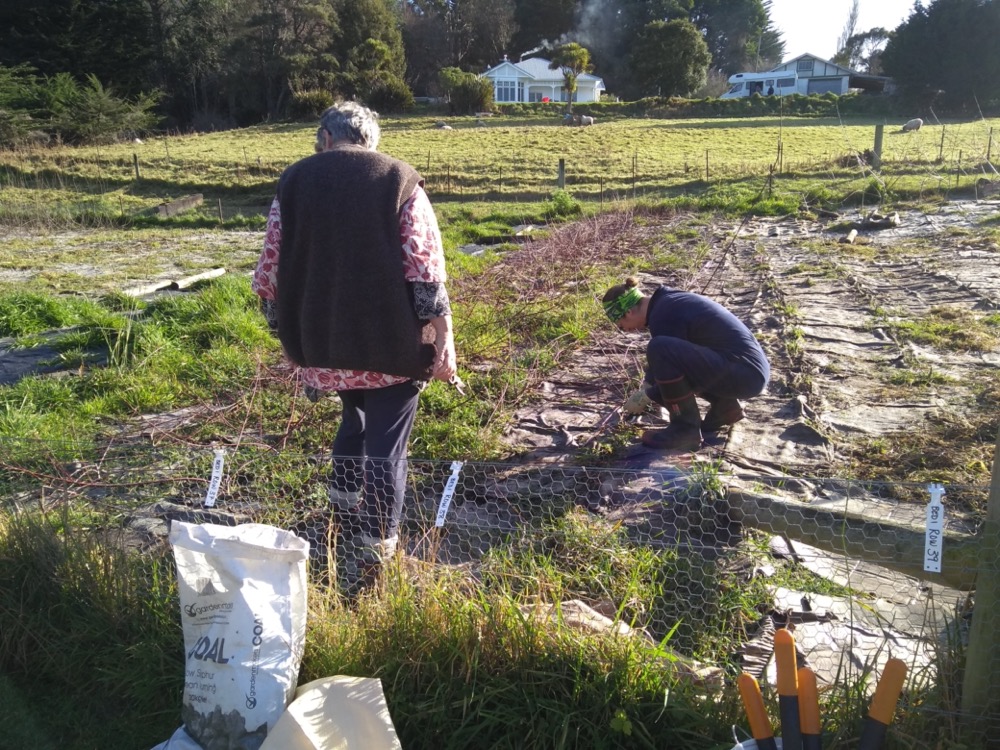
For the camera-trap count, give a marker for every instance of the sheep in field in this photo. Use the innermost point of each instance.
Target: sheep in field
(913, 124)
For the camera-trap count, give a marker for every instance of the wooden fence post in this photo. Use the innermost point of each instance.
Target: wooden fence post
(561, 178)
(981, 685)
(877, 157)
(135, 163)
(941, 149)
(706, 165)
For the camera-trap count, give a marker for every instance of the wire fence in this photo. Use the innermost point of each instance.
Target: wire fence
(522, 163)
(863, 571)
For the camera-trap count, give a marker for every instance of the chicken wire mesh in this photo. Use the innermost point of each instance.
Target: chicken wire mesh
(863, 571)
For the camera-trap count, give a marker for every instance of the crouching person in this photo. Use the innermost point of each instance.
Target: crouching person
(352, 278)
(696, 348)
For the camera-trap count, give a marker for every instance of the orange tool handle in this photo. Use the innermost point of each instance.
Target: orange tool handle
(883, 705)
(784, 658)
(809, 710)
(788, 690)
(753, 701)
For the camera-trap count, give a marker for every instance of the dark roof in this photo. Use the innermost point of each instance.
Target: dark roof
(874, 84)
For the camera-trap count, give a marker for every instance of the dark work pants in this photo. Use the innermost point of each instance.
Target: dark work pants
(710, 373)
(369, 454)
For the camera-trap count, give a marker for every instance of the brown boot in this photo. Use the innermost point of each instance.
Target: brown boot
(360, 561)
(722, 412)
(684, 431)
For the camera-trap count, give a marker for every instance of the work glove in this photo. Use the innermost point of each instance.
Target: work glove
(637, 403)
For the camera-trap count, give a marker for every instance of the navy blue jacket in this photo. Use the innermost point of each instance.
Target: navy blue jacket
(699, 320)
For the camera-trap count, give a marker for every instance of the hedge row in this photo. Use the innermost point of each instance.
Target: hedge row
(816, 105)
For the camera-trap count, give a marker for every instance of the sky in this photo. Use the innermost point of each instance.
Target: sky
(814, 26)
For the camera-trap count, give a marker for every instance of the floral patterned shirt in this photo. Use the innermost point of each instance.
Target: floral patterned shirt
(423, 267)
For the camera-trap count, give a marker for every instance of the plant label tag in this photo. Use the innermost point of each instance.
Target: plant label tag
(935, 530)
(216, 482)
(449, 492)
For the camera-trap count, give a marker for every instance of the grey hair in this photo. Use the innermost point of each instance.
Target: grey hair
(351, 122)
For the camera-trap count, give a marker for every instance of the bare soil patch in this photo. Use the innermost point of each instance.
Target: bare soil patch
(850, 391)
(829, 315)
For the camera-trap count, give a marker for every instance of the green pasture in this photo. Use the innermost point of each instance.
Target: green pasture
(80, 219)
(510, 160)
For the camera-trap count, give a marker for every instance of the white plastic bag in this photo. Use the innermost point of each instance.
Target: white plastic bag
(752, 744)
(336, 713)
(243, 608)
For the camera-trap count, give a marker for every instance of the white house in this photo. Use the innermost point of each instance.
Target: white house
(532, 80)
(817, 76)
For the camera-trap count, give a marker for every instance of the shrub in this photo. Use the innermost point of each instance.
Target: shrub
(91, 113)
(15, 128)
(467, 92)
(310, 104)
(876, 191)
(563, 205)
(390, 94)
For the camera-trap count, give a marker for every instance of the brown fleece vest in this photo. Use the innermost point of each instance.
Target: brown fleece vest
(343, 301)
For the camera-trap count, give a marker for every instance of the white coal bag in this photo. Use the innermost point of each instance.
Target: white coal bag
(243, 609)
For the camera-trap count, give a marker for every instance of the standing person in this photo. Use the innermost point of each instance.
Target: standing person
(696, 347)
(352, 278)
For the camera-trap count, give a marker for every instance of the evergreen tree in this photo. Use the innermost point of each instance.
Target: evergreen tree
(111, 39)
(735, 33)
(670, 58)
(947, 55)
(770, 50)
(471, 35)
(361, 20)
(425, 41)
(542, 23)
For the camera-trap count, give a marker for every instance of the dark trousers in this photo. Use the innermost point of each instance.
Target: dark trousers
(369, 454)
(710, 373)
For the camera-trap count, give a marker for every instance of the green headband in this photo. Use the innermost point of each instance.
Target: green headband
(619, 306)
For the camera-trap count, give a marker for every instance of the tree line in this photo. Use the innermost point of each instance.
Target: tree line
(217, 63)
(207, 64)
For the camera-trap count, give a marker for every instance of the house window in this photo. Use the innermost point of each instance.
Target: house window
(535, 96)
(804, 66)
(786, 83)
(507, 91)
